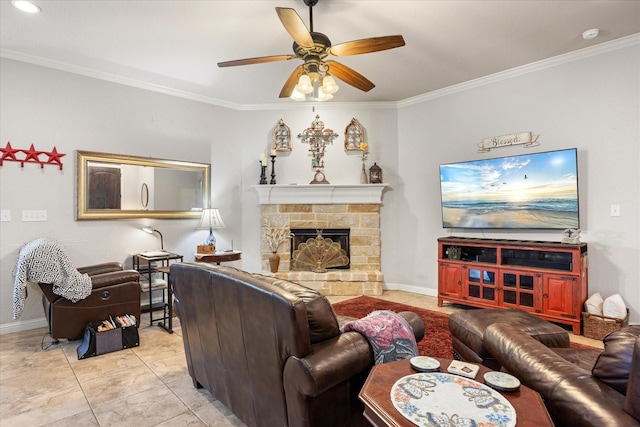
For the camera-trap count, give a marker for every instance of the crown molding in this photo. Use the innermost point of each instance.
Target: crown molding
(482, 81)
(526, 69)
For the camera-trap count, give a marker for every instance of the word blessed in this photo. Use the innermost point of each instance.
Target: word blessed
(527, 138)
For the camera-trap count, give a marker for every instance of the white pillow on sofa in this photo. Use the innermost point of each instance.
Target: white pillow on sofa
(593, 305)
(614, 306)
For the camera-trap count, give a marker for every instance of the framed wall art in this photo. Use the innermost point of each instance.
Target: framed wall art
(281, 137)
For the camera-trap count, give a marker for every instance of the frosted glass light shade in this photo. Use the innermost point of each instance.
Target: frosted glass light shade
(329, 85)
(297, 96)
(304, 84)
(324, 96)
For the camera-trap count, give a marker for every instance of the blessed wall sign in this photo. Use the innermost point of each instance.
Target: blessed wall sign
(529, 139)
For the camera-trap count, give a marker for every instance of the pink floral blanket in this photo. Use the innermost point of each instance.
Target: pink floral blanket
(389, 334)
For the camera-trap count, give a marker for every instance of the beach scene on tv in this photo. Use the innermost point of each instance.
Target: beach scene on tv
(537, 191)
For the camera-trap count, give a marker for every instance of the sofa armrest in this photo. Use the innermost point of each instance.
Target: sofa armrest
(114, 278)
(330, 363)
(572, 395)
(416, 323)
(106, 267)
(632, 401)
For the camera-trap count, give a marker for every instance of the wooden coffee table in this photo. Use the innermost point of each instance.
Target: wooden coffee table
(379, 410)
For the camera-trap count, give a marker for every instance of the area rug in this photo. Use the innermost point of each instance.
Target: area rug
(437, 339)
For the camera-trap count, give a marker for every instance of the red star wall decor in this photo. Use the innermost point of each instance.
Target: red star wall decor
(30, 156)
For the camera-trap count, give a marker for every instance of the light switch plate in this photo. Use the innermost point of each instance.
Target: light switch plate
(34, 216)
(5, 215)
(615, 210)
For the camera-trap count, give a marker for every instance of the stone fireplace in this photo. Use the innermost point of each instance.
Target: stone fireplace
(323, 206)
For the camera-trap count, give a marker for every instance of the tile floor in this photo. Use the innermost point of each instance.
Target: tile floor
(145, 386)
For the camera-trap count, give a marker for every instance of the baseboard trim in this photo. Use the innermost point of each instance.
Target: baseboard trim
(409, 288)
(27, 325)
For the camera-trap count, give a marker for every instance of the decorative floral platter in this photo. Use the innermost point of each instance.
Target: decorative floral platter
(436, 399)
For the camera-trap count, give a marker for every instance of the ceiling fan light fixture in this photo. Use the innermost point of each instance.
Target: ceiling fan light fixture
(329, 85)
(304, 84)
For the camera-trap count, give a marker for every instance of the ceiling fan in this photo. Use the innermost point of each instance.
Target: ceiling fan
(313, 48)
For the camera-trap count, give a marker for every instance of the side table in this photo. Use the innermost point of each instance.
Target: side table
(218, 257)
(157, 262)
(379, 410)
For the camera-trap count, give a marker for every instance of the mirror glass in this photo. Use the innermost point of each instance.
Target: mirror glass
(113, 186)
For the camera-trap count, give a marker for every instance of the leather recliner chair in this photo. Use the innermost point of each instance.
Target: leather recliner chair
(114, 292)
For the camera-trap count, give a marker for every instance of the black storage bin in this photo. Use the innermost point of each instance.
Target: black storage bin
(96, 343)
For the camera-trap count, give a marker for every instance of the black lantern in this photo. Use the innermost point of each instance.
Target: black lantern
(375, 174)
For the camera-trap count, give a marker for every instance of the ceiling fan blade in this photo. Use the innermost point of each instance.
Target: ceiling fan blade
(295, 26)
(291, 82)
(349, 76)
(257, 60)
(373, 44)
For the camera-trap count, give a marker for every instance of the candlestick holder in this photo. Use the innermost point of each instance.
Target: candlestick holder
(263, 173)
(273, 170)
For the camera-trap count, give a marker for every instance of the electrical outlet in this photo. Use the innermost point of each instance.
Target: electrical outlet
(5, 215)
(615, 210)
(34, 216)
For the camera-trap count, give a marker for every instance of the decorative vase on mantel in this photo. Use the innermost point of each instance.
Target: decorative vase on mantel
(363, 175)
(274, 262)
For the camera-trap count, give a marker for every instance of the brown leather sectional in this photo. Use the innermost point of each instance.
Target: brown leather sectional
(271, 350)
(580, 387)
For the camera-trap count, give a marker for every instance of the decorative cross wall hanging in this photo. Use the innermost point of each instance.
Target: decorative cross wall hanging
(30, 156)
(317, 137)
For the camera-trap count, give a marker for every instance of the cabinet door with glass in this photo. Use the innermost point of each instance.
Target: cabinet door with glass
(481, 284)
(521, 289)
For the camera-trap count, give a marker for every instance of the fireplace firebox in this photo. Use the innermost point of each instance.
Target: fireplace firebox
(339, 235)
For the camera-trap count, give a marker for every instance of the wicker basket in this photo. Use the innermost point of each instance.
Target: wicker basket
(596, 327)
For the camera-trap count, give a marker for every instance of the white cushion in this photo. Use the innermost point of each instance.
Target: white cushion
(593, 305)
(614, 306)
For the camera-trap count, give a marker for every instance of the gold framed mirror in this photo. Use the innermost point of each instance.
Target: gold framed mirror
(114, 186)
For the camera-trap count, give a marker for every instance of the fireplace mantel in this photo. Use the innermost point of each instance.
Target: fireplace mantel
(320, 194)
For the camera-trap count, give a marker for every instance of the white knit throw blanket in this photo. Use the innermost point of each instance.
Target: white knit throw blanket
(44, 261)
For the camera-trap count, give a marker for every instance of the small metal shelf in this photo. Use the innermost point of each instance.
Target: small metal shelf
(149, 264)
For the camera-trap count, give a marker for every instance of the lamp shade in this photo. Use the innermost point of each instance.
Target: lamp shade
(210, 219)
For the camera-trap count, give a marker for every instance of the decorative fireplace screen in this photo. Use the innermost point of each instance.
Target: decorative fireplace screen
(319, 249)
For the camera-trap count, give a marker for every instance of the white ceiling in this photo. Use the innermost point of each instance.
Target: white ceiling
(174, 46)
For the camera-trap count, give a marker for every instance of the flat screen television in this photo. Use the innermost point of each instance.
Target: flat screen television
(529, 191)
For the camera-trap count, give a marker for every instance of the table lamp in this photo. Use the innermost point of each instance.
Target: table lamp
(153, 230)
(210, 219)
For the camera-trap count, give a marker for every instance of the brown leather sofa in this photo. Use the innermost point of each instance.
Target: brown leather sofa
(580, 387)
(114, 292)
(271, 350)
